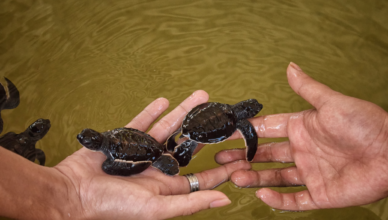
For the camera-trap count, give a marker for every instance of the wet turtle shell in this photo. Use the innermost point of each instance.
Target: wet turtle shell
(132, 145)
(210, 122)
(214, 122)
(128, 151)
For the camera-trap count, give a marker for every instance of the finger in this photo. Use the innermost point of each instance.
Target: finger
(171, 122)
(146, 117)
(268, 126)
(298, 201)
(198, 148)
(210, 179)
(273, 177)
(207, 179)
(268, 152)
(178, 205)
(312, 91)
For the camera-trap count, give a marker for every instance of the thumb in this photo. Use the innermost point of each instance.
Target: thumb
(178, 205)
(312, 91)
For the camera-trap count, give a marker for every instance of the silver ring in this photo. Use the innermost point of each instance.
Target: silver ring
(193, 180)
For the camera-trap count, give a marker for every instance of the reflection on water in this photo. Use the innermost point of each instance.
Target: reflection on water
(98, 63)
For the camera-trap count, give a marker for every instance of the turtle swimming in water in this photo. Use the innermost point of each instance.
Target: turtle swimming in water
(8, 102)
(214, 122)
(24, 143)
(128, 151)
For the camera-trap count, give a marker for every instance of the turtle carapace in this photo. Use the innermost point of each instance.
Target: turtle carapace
(214, 122)
(128, 151)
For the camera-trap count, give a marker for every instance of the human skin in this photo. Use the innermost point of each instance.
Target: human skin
(77, 188)
(340, 150)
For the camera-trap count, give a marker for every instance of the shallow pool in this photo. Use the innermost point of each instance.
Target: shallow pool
(99, 63)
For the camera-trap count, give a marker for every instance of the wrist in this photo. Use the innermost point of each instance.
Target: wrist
(61, 200)
(31, 191)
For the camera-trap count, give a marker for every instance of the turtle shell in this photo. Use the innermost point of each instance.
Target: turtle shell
(133, 145)
(210, 122)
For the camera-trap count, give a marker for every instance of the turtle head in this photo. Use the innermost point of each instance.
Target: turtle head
(39, 128)
(247, 109)
(90, 139)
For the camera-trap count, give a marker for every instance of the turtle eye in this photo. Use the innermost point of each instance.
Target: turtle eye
(35, 130)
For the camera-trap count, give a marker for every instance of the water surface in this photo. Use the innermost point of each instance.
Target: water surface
(97, 64)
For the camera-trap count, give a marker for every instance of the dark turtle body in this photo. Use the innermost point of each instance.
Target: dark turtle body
(209, 123)
(214, 122)
(24, 143)
(8, 102)
(128, 151)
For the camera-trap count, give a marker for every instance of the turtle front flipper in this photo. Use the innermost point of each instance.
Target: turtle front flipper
(40, 156)
(171, 143)
(14, 97)
(167, 164)
(29, 154)
(124, 168)
(184, 151)
(250, 137)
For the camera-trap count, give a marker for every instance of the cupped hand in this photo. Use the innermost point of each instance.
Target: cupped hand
(340, 150)
(150, 194)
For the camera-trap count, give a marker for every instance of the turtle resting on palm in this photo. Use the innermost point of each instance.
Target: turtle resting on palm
(128, 151)
(24, 143)
(8, 102)
(213, 122)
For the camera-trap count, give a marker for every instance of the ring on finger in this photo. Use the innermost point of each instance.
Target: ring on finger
(193, 181)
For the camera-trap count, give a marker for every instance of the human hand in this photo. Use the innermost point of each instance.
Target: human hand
(340, 150)
(150, 194)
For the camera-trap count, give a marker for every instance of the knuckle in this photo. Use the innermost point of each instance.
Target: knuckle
(268, 152)
(136, 124)
(278, 177)
(183, 108)
(165, 125)
(204, 184)
(193, 208)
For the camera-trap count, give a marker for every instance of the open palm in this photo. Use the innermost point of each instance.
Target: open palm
(150, 194)
(340, 150)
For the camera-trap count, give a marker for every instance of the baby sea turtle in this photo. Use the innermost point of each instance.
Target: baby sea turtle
(214, 122)
(8, 102)
(128, 151)
(24, 143)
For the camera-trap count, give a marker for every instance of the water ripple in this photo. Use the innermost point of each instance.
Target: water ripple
(99, 63)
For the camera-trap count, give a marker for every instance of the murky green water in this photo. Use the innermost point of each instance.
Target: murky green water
(99, 63)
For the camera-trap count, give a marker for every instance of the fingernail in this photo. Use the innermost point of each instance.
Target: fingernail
(293, 70)
(220, 203)
(294, 66)
(258, 195)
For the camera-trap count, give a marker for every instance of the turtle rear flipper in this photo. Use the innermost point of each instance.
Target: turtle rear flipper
(40, 156)
(171, 143)
(124, 168)
(167, 164)
(250, 138)
(184, 152)
(14, 97)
